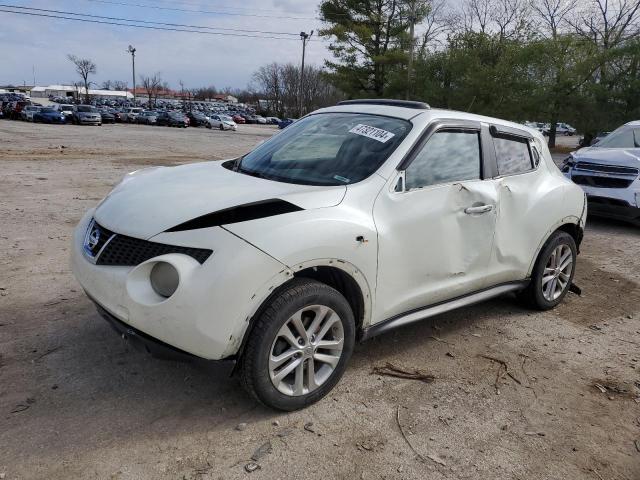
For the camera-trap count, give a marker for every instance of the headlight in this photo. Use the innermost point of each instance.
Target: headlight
(164, 279)
(567, 164)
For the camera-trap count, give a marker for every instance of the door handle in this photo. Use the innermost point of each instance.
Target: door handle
(478, 209)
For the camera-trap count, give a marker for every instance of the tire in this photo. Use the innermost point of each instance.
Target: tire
(208, 125)
(221, 128)
(543, 292)
(309, 301)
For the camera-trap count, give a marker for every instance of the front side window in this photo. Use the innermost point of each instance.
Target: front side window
(513, 155)
(448, 156)
(624, 137)
(327, 149)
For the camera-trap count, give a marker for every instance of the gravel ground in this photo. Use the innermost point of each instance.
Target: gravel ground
(77, 402)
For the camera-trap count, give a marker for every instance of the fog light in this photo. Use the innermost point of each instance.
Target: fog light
(164, 279)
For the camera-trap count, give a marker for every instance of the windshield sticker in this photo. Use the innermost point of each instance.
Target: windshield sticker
(341, 179)
(373, 133)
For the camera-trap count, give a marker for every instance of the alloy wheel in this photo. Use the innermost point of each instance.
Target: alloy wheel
(306, 350)
(557, 272)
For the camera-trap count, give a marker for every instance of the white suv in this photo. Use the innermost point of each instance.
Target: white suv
(356, 219)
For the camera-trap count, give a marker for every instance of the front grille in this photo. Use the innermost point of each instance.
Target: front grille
(602, 182)
(615, 169)
(102, 234)
(121, 250)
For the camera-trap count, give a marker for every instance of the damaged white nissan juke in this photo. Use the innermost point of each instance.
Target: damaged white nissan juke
(354, 220)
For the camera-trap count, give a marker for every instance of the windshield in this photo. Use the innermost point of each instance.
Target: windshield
(624, 137)
(82, 108)
(327, 149)
(224, 118)
(48, 110)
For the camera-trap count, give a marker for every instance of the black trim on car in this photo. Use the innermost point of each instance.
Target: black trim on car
(237, 214)
(503, 131)
(388, 103)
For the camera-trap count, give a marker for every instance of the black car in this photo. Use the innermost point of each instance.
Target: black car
(197, 119)
(172, 119)
(108, 116)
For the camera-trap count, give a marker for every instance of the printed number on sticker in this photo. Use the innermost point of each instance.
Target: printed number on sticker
(372, 132)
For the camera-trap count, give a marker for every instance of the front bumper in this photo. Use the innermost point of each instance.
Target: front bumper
(89, 121)
(209, 312)
(613, 208)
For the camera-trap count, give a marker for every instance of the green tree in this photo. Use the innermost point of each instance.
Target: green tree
(370, 43)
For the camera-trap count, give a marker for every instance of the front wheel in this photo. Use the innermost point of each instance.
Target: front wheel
(222, 127)
(553, 272)
(299, 347)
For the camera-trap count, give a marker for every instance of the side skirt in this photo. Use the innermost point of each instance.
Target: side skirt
(441, 307)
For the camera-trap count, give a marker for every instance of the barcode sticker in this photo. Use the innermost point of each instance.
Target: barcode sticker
(373, 133)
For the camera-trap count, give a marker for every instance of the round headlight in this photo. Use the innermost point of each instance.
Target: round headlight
(164, 279)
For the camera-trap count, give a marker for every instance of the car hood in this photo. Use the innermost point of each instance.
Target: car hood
(628, 157)
(153, 200)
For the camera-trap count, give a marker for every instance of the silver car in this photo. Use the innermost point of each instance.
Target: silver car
(86, 115)
(608, 172)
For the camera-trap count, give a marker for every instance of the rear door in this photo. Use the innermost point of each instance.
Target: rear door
(436, 220)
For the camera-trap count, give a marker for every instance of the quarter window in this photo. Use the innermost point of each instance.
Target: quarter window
(513, 155)
(448, 156)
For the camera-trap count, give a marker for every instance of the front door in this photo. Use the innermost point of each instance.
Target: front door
(435, 223)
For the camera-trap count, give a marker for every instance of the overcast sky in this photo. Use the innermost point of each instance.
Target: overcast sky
(41, 44)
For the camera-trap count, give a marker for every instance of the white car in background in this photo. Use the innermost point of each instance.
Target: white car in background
(222, 122)
(130, 115)
(27, 112)
(354, 220)
(65, 108)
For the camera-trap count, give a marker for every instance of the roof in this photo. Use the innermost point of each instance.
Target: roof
(408, 113)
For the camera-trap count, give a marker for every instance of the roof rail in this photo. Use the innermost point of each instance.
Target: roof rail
(388, 102)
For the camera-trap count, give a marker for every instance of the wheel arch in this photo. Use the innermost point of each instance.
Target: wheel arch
(339, 274)
(570, 225)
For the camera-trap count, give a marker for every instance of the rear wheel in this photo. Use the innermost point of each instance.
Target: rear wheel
(553, 272)
(299, 346)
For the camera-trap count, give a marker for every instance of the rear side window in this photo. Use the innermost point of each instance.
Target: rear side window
(448, 156)
(513, 155)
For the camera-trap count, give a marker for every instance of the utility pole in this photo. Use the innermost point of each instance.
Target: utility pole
(304, 36)
(412, 23)
(132, 51)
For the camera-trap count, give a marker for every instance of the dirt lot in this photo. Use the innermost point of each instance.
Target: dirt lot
(77, 402)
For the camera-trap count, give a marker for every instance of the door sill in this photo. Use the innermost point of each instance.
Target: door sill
(423, 313)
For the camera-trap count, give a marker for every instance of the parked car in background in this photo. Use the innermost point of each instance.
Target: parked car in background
(609, 173)
(172, 119)
(147, 117)
(107, 114)
(284, 123)
(222, 122)
(65, 108)
(28, 111)
(197, 119)
(561, 129)
(86, 115)
(282, 258)
(260, 120)
(130, 114)
(239, 119)
(48, 115)
(273, 120)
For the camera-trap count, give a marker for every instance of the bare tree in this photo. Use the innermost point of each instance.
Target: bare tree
(120, 85)
(268, 80)
(608, 23)
(84, 68)
(106, 85)
(437, 22)
(511, 17)
(553, 14)
(152, 85)
(477, 14)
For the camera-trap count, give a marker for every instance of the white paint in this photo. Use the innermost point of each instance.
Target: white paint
(421, 247)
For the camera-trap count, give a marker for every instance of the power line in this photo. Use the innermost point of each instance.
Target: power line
(156, 7)
(224, 7)
(148, 27)
(119, 19)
